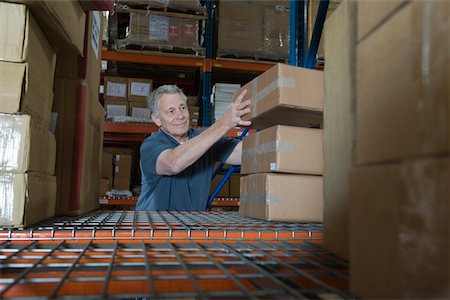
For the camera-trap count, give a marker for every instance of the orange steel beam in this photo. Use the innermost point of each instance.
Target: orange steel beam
(243, 65)
(153, 59)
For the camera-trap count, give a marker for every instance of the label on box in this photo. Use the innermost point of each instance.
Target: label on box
(115, 110)
(174, 32)
(189, 30)
(273, 166)
(158, 28)
(140, 89)
(95, 37)
(115, 89)
(140, 112)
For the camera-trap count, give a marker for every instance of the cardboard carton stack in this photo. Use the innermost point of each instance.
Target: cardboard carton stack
(27, 147)
(79, 127)
(127, 97)
(116, 168)
(223, 97)
(284, 163)
(399, 183)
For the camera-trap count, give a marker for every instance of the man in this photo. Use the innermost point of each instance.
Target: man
(177, 161)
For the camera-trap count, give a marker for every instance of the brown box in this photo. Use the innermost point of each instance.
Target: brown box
(225, 191)
(26, 147)
(189, 32)
(62, 21)
(139, 110)
(283, 149)
(373, 13)
(240, 27)
(116, 88)
(116, 108)
(139, 89)
(235, 183)
(105, 185)
(107, 166)
(276, 31)
(79, 135)
(402, 108)
(399, 233)
(282, 197)
(155, 29)
(29, 197)
(122, 171)
(285, 95)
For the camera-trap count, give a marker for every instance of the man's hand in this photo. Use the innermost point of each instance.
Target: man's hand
(232, 116)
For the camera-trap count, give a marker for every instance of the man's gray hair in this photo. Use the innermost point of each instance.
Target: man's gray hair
(153, 101)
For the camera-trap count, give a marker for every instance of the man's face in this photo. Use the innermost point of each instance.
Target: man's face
(173, 115)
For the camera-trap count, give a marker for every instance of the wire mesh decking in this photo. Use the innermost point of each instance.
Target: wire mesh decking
(229, 269)
(145, 225)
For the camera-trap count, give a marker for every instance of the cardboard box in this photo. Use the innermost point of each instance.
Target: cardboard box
(107, 166)
(282, 197)
(283, 149)
(372, 14)
(25, 147)
(122, 171)
(401, 109)
(399, 233)
(285, 95)
(239, 22)
(224, 191)
(104, 186)
(116, 108)
(139, 89)
(26, 198)
(276, 31)
(116, 88)
(339, 125)
(235, 184)
(155, 29)
(139, 109)
(80, 139)
(189, 32)
(63, 22)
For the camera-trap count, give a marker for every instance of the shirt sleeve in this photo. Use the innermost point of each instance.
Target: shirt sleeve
(151, 148)
(224, 147)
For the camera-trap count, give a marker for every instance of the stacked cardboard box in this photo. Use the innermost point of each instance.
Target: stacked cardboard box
(116, 168)
(79, 128)
(27, 147)
(284, 163)
(399, 183)
(127, 97)
(161, 30)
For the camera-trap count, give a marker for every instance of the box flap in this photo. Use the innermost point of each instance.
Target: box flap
(12, 198)
(13, 23)
(12, 76)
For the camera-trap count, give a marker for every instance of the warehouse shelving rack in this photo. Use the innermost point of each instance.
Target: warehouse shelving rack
(133, 254)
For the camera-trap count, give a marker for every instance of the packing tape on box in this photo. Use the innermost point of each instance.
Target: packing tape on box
(278, 146)
(268, 199)
(11, 139)
(279, 82)
(6, 198)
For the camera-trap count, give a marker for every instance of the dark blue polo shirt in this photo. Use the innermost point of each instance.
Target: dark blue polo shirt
(187, 190)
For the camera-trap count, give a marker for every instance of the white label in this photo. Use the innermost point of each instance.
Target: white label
(140, 89)
(140, 112)
(116, 89)
(113, 110)
(273, 166)
(95, 37)
(158, 28)
(103, 201)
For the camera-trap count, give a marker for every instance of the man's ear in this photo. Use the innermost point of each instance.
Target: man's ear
(156, 119)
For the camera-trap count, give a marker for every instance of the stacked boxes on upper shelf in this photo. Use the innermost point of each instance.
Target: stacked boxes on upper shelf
(284, 161)
(27, 147)
(127, 97)
(399, 182)
(164, 25)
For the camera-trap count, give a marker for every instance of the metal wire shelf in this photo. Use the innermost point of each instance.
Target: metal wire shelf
(152, 225)
(230, 269)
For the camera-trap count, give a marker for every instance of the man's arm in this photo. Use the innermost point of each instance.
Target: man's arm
(235, 157)
(174, 161)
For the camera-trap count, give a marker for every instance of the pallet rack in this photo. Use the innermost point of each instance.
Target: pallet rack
(134, 254)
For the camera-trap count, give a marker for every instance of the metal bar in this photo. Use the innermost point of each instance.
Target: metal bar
(293, 33)
(303, 32)
(148, 273)
(26, 271)
(108, 272)
(55, 290)
(317, 33)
